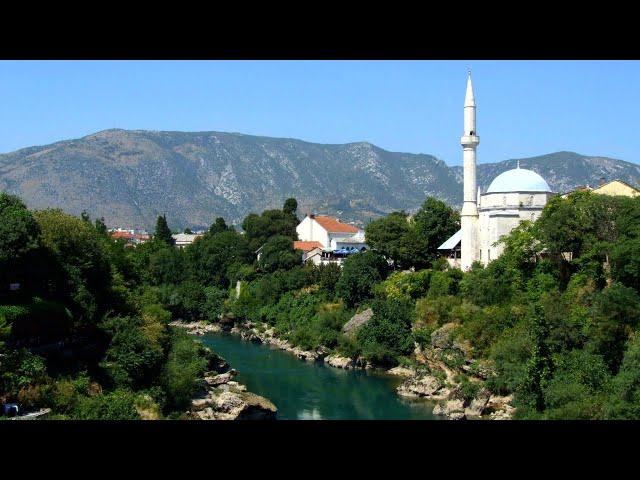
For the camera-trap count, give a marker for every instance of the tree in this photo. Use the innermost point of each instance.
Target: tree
(615, 314)
(434, 222)
(19, 231)
(393, 237)
(81, 271)
(166, 265)
(188, 231)
(218, 226)
(387, 334)
(163, 233)
(259, 228)
(624, 400)
(214, 259)
(539, 369)
(278, 254)
(360, 273)
(290, 207)
(101, 227)
(134, 357)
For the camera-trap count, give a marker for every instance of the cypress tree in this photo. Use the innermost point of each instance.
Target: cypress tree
(163, 233)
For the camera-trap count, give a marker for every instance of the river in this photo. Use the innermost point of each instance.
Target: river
(312, 391)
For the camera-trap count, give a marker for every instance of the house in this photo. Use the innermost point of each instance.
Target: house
(324, 239)
(129, 236)
(184, 239)
(613, 187)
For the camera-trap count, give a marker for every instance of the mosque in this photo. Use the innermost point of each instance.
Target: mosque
(513, 196)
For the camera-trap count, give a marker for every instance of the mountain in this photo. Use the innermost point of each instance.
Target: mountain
(130, 176)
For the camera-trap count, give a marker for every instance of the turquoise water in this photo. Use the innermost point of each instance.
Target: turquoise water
(305, 390)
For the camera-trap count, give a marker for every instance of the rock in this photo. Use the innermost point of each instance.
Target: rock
(256, 408)
(457, 416)
(463, 347)
(424, 386)
(402, 372)
(220, 379)
(453, 409)
(201, 403)
(340, 362)
(478, 404)
(228, 401)
(357, 321)
(441, 338)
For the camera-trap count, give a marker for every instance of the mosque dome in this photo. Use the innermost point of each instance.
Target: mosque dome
(518, 180)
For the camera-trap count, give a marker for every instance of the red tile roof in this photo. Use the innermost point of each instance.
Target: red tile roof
(333, 225)
(129, 236)
(306, 246)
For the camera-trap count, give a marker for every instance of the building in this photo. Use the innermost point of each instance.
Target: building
(184, 239)
(328, 239)
(130, 237)
(613, 187)
(513, 196)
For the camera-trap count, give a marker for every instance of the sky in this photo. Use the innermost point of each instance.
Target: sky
(524, 108)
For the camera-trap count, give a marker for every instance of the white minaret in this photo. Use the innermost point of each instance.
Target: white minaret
(469, 214)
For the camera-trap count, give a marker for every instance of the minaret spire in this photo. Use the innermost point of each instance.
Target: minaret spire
(469, 214)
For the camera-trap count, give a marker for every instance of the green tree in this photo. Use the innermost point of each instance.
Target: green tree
(188, 231)
(290, 207)
(214, 259)
(163, 233)
(259, 228)
(387, 335)
(360, 273)
(82, 270)
(19, 231)
(278, 254)
(394, 237)
(615, 315)
(218, 226)
(434, 222)
(624, 400)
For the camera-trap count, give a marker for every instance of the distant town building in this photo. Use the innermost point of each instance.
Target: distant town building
(613, 187)
(130, 236)
(184, 239)
(324, 239)
(513, 196)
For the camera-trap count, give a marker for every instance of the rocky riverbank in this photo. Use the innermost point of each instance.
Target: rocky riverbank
(448, 376)
(435, 377)
(222, 398)
(197, 328)
(219, 396)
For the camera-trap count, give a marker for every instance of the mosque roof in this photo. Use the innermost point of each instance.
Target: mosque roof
(452, 242)
(518, 180)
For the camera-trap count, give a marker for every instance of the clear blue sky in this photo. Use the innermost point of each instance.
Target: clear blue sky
(525, 108)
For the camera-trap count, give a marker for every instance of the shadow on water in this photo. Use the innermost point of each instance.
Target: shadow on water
(312, 391)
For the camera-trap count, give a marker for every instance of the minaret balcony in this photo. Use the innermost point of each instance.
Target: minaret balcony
(470, 140)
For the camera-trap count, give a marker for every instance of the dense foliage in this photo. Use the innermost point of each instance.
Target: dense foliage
(555, 319)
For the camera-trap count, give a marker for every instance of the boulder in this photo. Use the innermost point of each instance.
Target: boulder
(402, 372)
(256, 408)
(424, 386)
(340, 362)
(228, 401)
(357, 321)
(478, 404)
(441, 338)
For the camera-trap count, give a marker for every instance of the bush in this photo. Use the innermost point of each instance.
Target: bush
(118, 405)
(185, 365)
(388, 334)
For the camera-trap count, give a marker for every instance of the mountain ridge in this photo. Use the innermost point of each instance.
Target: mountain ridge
(130, 176)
